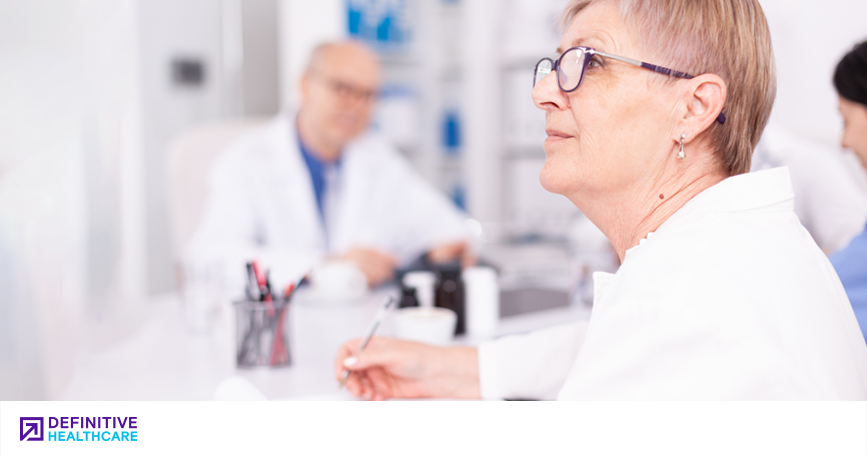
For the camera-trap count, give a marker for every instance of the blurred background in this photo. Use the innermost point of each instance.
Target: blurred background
(97, 96)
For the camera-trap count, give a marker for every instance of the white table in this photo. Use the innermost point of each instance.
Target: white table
(162, 360)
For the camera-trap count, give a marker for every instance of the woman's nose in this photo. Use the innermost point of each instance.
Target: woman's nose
(547, 95)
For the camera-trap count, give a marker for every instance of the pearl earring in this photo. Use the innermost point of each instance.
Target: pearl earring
(681, 154)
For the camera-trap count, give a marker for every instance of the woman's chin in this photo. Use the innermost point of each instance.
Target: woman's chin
(551, 181)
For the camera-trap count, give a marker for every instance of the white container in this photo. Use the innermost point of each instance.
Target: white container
(482, 301)
(435, 326)
(424, 283)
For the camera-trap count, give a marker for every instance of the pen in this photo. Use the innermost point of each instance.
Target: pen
(252, 290)
(373, 325)
(279, 353)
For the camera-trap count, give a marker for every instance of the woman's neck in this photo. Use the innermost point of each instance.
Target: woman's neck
(626, 218)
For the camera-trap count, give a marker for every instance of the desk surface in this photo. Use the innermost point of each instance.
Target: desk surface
(162, 360)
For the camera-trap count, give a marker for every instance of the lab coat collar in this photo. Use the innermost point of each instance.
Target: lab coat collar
(760, 190)
(745, 192)
(756, 191)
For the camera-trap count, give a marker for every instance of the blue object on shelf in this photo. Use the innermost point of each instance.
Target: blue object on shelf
(380, 22)
(459, 197)
(451, 133)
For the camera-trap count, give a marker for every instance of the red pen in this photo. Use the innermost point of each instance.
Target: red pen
(264, 291)
(279, 354)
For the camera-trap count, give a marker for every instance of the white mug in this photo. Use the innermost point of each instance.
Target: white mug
(435, 325)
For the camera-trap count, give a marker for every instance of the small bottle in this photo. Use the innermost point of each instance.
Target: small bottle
(407, 297)
(482, 301)
(424, 283)
(450, 293)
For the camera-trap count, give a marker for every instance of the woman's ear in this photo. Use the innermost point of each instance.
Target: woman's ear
(705, 99)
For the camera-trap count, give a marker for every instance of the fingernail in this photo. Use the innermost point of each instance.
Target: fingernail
(351, 361)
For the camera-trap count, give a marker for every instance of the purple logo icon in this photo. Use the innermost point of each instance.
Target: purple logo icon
(31, 428)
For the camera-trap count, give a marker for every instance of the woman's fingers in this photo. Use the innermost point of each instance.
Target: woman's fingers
(379, 353)
(386, 368)
(353, 386)
(367, 389)
(343, 353)
(383, 383)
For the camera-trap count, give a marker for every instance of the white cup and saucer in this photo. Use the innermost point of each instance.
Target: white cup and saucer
(429, 325)
(424, 323)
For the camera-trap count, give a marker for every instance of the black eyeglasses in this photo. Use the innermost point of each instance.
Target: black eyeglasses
(573, 64)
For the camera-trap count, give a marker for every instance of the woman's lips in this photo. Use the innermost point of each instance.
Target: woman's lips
(555, 135)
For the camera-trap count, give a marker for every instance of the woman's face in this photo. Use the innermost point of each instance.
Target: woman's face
(615, 129)
(855, 128)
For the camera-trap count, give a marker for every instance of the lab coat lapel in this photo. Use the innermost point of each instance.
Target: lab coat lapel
(356, 205)
(347, 202)
(292, 177)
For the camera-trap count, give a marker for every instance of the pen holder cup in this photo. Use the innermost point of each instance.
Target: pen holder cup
(262, 330)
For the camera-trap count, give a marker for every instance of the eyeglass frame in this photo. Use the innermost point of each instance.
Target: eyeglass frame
(347, 91)
(555, 64)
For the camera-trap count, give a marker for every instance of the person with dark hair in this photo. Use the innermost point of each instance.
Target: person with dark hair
(850, 80)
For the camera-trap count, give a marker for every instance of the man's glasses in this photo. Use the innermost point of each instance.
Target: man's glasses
(348, 91)
(573, 64)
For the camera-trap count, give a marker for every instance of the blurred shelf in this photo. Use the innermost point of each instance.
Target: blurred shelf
(513, 152)
(521, 63)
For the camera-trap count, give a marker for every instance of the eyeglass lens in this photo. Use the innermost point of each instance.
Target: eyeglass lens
(543, 68)
(346, 91)
(569, 70)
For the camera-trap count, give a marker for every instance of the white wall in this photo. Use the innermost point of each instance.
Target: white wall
(261, 59)
(481, 58)
(207, 30)
(303, 25)
(87, 108)
(809, 39)
(68, 85)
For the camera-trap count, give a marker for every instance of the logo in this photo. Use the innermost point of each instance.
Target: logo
(79, 429)
(32, 428)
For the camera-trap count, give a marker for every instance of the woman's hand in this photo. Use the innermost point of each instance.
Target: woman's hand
(392, 368)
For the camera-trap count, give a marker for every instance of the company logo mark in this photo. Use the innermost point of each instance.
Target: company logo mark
(32, 428)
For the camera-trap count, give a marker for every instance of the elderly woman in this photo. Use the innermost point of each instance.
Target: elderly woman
(653, 109)
(850, 80)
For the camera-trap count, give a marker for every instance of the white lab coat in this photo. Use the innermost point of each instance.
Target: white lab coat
(830, 201)
(261, 205)
(729, 299)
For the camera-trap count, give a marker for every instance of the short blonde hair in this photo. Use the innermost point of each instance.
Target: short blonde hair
(728, 38)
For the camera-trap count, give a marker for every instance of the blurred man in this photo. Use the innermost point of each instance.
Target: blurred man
(315, 186)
